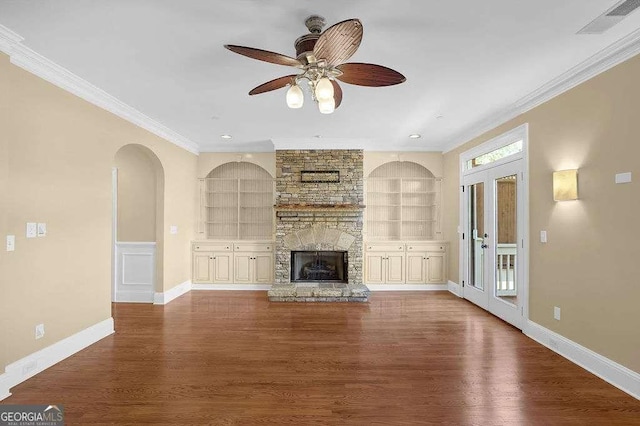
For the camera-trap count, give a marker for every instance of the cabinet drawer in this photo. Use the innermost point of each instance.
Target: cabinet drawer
(399, 247)
(427, 247)
(211, 246)
(253, 247)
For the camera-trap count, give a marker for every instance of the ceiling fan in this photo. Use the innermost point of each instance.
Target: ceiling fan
(321, 59)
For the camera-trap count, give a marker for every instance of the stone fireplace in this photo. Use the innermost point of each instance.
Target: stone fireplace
(319, 209)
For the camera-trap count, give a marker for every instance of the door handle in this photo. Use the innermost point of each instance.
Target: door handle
(484, 246)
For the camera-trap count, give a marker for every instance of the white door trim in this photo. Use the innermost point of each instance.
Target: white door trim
(114, 230)
(519, 133)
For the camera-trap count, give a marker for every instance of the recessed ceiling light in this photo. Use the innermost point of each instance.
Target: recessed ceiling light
(225, 136)
(415, 136)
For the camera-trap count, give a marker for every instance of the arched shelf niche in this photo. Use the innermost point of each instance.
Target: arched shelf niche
(237, 202)
(403, 203)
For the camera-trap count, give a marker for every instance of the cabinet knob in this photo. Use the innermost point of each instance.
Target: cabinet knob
(211, 258)
(198, 247)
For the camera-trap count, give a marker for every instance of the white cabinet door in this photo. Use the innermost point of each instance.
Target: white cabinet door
(263, 268)
(242, 268)
(222, 267)
(415, 268)
(395, 268)
(375, 268)
(202, 267)
(436, 268)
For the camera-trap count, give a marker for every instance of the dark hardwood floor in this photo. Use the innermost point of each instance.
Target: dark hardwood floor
(404, 358)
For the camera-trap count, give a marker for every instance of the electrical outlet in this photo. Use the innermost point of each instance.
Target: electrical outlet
(556, 313)
(543, 236)
(173, 229)
(39, 331)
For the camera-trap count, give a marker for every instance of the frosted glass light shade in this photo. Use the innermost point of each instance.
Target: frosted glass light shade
(324, 90)
(295, 98)
(565, 185)
(327, 107)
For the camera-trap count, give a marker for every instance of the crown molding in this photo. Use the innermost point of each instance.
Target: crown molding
(29, 60)
(320, 143)
(614, 54)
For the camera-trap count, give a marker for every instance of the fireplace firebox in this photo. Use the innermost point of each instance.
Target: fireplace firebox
(324, 266)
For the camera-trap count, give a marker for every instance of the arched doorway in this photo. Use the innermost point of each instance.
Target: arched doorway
(138, 217)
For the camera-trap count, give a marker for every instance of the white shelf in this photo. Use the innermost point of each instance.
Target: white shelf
(238, 205)
(402, 208)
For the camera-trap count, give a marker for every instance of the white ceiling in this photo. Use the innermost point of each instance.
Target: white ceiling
(467, 61)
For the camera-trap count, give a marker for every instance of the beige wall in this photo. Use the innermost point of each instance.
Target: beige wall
(60, 152)
(430, 160)
(5, 318)
(136, 194)
(208, 161)
(588, 266)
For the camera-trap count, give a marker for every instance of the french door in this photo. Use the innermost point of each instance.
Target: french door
(493, 214)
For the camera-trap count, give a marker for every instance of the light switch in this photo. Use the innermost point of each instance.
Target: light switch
(623, 177)
(32, 229)
(42, 229)
(11, 243)
(543, 236)
(173, 229)
(556, 313)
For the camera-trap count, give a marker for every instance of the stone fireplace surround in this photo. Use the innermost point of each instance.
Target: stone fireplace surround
(319, 216)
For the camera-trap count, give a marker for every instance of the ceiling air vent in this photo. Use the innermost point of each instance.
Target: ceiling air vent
(624, 8)
(611, 17)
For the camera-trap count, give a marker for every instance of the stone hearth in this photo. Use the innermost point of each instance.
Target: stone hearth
(319, 216)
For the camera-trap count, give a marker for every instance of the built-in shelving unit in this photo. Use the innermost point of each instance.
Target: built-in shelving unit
(403, 203)
(237, 203)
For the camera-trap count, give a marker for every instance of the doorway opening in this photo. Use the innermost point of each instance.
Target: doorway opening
(137, 225)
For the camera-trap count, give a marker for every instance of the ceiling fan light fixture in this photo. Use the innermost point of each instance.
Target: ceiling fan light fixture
(327, 106)
(295, 97)
(324, 90)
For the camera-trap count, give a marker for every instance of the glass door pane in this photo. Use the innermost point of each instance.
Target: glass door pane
(477, 235)
(506, 248)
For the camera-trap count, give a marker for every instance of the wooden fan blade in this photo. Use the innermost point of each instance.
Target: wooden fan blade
(264, 55)
(339, 42)
(337, 93)
(369, 75)
(273, 84)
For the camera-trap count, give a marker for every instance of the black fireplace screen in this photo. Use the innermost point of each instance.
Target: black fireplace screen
(319, 266)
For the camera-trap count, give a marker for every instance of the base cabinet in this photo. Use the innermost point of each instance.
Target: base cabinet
(229, 263)
(212, 263)
(384, 263)
(406, 263)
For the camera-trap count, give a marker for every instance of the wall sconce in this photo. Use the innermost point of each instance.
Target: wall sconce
(565, 185)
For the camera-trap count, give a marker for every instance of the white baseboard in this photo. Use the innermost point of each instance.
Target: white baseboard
(175, 292)
(231, 287)
(4, 386)
(454, 288)
(406, 287)
(134, 297)
(608, 370)
(27, 367)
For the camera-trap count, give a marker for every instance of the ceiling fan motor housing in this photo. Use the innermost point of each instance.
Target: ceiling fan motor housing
(304, 44)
